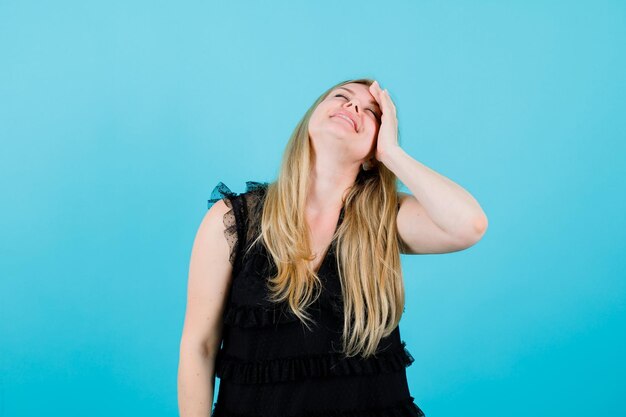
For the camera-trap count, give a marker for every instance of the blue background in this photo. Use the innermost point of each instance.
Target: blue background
(118, 118)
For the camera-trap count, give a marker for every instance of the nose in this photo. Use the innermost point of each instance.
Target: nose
(350, 104)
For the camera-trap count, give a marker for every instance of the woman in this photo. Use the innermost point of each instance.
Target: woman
(306, 291)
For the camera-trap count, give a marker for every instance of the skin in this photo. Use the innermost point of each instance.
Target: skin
(439, 217)
(338, 152)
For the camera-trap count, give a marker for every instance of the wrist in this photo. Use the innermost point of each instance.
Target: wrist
(390, 155)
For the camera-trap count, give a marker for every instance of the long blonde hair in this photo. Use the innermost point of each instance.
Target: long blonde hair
(368, 249)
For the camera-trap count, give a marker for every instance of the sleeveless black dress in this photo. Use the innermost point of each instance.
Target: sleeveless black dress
(270, 364)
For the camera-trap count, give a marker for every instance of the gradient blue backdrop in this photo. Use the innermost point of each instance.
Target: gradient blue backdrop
(118, 118)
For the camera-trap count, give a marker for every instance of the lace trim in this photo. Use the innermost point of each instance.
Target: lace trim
(248, 316)
(403, 408)
(221, 190)
(234, 230)
(298, 367)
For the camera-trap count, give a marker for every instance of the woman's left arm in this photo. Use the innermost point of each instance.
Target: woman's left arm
(440, 216)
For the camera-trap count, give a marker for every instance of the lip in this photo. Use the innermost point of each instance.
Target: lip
(349, 116)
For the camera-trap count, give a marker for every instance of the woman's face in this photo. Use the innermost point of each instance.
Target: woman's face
(346, 122)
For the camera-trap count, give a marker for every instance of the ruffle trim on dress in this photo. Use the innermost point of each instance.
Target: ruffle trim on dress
(221, 191)
(310, 366)
(235, 218)
(403, 408)
(256, 316)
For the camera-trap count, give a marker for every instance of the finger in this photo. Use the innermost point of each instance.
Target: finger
(389, 101)
(378, 94)
(376, 87)
(383, 99)
(375, 92)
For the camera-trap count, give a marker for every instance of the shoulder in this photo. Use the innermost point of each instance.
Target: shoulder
(228, 215)
(212, 224)
(403, 196)
(237, 208)
(209, 242)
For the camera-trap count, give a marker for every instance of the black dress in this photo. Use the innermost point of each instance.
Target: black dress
(270, 364)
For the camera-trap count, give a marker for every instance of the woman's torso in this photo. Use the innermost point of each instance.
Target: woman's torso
(271, 364)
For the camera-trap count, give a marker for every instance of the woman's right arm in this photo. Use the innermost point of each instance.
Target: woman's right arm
(208, 285)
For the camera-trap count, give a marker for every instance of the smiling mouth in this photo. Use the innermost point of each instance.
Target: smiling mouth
(347, 121)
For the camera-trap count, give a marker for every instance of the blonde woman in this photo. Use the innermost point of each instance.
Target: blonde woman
(295, 287)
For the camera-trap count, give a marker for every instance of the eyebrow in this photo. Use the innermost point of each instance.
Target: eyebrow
(352, 92)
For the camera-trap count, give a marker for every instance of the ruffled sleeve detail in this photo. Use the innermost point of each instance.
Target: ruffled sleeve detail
(236, 218)
(310, 366)
(221, 191)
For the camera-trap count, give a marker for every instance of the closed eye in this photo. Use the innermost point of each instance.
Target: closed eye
(373, 112)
